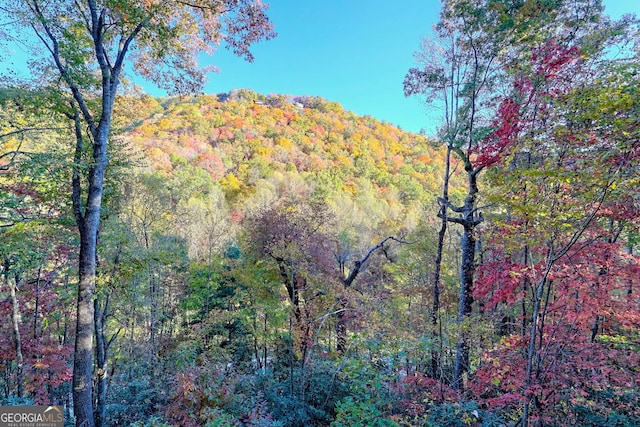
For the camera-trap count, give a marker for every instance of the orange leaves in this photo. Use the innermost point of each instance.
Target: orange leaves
(212, 163)
(424, 158)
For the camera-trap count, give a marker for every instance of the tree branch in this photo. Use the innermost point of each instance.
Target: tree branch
(445, 202)
(64, 73)
(29, 129)
(359, 263)
(76, 191)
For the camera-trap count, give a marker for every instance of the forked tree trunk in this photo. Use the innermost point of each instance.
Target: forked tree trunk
(469, 218)
(347, 281)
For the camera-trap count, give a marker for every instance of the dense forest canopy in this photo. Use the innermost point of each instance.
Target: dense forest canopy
(276, 260)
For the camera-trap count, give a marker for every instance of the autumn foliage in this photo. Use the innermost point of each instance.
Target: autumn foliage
(271, 260)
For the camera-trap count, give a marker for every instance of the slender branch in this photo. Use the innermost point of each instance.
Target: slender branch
(54, 49)
(29, 129)
(76, 192)
(445, 202)
(14, 153)
(85, 18)
(204, 7)
(359, 263)
(583, 226)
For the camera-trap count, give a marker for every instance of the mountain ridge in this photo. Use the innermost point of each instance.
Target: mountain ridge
(242, 137)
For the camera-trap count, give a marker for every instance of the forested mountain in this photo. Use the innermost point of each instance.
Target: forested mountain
(243, 259)
(242, 139)
(248, 152)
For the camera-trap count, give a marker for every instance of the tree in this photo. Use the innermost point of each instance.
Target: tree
(484, 49)
(568, 172)
(34, 351)
(87, 44)
(347, 275)
(459, 71)
(293, 238)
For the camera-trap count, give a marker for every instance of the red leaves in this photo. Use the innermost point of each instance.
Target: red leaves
(48, 368)
(551, 71)
(552, 60)
(508, 125)
(212, 163)
(582, 343)
(46, 361)
(500, 282)
(419, 390)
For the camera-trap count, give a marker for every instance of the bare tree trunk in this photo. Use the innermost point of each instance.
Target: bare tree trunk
(37, 304)
(102, 359)
(469, 218)
(532, 350)
(82, 363)
(101, 366)
(525, 285)
(435, 308)
(88, 221)
(15, 322)
(341, 326)
(466, 302)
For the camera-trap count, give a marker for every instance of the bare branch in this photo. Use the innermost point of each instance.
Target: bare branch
(445, 202)
(29, 129)
(359, 263)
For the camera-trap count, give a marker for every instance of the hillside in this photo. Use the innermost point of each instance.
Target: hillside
(269, 260)
(249, 142)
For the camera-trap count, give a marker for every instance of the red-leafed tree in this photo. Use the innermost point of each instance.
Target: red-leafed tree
(292, 237)
(565, 177)
(33, 346)
(460, 71)
(525, 50)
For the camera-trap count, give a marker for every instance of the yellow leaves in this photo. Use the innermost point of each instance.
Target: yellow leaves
(344, 161)
(285, 143)
(8, 144)
(40, 365)
(233, 186)
(264, 151)
(165, 124)
(350, 187)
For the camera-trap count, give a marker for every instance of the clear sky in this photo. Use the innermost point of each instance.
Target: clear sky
(355, 52)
